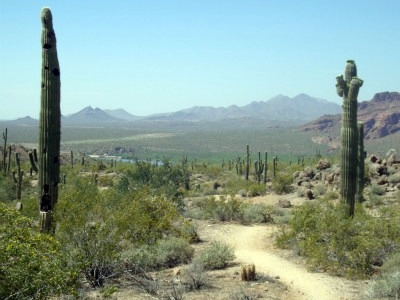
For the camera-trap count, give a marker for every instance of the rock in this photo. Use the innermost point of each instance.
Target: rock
(309, 194)
(18, 206)
(306, 184)
(318, 176)
(330, 177)
(284, 203)
(382, 180)
(310, 172)
(377, 169)
(323, 164)
(176, 272)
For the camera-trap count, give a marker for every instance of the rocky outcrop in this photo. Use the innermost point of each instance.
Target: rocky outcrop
(381, 117)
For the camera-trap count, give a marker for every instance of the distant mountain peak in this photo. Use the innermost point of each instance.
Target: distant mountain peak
(90, 114)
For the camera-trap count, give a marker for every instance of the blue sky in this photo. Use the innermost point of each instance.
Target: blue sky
(154, 56)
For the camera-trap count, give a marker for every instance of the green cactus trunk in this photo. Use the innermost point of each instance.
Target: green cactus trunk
(4, 162)
(361, 164)
(348, 89)
(247, 162)
(50, 114)
(259, 167)
(18, 177)
(265, 167)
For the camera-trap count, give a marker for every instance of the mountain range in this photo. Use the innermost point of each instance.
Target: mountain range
(297, 110)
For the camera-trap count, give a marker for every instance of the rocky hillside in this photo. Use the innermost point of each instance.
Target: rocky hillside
(381, 117)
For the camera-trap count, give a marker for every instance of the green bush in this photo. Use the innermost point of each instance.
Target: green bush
(164, 179)
(350, 247)
(256, 189)
(32, 265)
(216, 256)
(166, 253)
(195, 277)
(331, 195)
(257, 213)
(174, 251)
(281, 183)
(375, 189)
(394, 179)
(319, 189)
(222, 209)
(387, 285)
(95, 226)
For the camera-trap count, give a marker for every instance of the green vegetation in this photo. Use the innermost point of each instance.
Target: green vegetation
(32, 265)
(216, 256)
(350, 247)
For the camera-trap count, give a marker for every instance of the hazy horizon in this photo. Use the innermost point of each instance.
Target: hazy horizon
(164, 56)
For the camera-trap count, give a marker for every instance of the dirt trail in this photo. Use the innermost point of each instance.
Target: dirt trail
(253, 244)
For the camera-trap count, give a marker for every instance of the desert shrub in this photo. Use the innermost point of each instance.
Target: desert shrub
(166, 253)
(89, 233)
(141, 258)
(395, 178)
(281, 183)
(374, 200)
(164, 179)
(257, 213)
(94, 228)
(351, 247)
(195, 277)
(216, 256)
(319, 189)
(255, 189)
(145, 219)
(222, 209)
(375, 189)
(331, 195)
(174, 251)
(32, 265)
(234, 184)
(387, 284)
(243, 293)
(189, 232)
(7, 188)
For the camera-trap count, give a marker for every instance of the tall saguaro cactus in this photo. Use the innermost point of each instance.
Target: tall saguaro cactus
(50, 114)
(348, 88)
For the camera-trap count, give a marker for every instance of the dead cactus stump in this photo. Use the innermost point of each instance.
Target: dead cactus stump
(248, 272)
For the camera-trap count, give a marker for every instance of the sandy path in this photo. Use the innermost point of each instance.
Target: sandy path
(253, 244)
